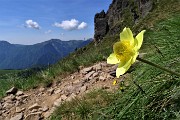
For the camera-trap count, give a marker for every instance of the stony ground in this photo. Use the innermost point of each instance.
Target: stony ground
(39, 103)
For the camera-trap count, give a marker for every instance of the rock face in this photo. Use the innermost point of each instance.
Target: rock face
(121, 13)
(101, 26)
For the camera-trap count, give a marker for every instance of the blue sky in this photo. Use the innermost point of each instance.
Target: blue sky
(34, 21)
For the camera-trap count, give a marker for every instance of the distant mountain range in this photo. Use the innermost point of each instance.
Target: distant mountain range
(15, 56)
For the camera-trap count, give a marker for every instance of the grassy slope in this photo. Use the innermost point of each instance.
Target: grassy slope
(161, 88)
(161, 98)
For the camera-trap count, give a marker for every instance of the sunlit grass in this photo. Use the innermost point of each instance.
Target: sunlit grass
(161, 98)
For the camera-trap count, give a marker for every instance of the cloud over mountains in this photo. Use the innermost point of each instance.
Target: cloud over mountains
(72, 24)
(32, 24)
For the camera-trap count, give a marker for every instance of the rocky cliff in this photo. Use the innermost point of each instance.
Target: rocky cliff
(121, 13)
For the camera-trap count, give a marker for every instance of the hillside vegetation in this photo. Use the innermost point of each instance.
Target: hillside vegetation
(160, 99)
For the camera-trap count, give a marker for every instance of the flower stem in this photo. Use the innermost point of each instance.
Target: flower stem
(157, 66)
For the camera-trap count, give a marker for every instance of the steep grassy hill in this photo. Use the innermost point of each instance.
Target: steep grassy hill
(160, 99)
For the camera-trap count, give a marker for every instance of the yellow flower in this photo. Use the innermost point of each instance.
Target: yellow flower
(114, 82)
(125, 51)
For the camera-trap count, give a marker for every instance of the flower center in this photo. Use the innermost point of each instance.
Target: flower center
(123, 50)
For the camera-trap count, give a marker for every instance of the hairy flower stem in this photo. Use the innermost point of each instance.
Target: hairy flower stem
(157, 66)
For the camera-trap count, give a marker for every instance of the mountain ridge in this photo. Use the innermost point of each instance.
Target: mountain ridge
(17, 56)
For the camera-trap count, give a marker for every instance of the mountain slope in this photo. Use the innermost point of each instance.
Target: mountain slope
(25, 56)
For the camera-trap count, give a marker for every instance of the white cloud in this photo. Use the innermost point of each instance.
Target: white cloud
(49, 31)
(62, 34)
(72, 24)
(32, 24)
(82, 25)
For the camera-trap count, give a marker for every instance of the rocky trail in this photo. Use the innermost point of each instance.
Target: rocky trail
(39, 103)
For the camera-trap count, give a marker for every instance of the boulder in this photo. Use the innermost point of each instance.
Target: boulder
(17, 117)
(13, 91)
(34, 106)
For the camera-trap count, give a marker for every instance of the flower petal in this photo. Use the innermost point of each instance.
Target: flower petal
(122, 69)
(126, 35)
(112, 59)
(134, 57)
(139, 39)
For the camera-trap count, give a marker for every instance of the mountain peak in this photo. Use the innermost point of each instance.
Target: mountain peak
(4, 42)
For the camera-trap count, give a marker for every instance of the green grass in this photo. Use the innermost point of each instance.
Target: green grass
(161, 98)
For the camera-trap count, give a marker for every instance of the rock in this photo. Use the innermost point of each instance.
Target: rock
(35, 106)
(122, 12)
(101, 25)
(87, 77)
(57, 102)
(13, 91)
(50, 91)
(9, 98)
(47, 114)
(63, 97)
(0, 106)
(72, 77)
(17, 117)
(72, 96)
(18, 110)
(95, 74)
(68, 89)
(19, 93)
(101, 78)
(57, 91)
(86, 70)
(34, 116)
(97, 67)
(83, 89)
(76, 81)
(42, 89)
(45, 108)
(7, 105)
(34, 110)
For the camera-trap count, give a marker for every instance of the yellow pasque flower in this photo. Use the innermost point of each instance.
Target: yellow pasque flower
(114, 82)
(125, 51)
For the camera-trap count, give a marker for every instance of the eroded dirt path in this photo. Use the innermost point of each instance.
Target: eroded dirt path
(39, 103)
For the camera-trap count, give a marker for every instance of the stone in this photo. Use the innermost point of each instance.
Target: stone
(0, 106)
(106, 23)
(87, 77)
(101, 78)
(76, 81)
(72, 96)
(57, 102)
(34, 110)
(95, 74)
(63, 97)
(97, 67)
(86, 70)
(18, 110)
(45, 108)
(83, 89)
(34, 116)
(100, 25)
(13, 91)
(69, 89)
(72, 77)
(34, 106)
(17, 117)
(50, 91)
(41, 89)
(7, 105)
(9, 98)
(57, 91)
(19, 93)
(47, 114)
